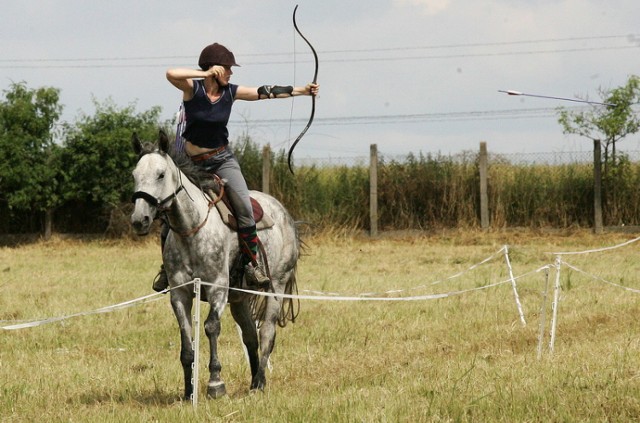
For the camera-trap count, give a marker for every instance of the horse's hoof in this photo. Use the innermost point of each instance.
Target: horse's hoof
(256, 391)
(216, 390)
(258, 385)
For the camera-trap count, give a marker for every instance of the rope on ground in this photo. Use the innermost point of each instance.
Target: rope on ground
(126, 304)
(415, 288)
(157, 296)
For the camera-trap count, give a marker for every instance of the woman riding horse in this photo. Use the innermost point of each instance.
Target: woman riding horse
(207, 98)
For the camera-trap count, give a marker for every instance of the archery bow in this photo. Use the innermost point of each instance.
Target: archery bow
(313, 97)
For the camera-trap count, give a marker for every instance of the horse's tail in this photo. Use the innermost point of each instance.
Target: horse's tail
(290, 307)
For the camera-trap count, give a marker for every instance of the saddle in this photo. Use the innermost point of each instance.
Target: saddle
(224, 207)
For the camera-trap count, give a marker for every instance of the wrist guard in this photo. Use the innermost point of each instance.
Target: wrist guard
(273, 91)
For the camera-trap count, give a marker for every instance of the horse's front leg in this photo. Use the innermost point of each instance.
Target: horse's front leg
(217, 300)
(181, 303)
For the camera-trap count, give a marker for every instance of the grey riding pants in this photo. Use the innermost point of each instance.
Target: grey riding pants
(226, 166)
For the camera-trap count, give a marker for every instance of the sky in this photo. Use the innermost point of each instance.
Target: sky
(412, 76)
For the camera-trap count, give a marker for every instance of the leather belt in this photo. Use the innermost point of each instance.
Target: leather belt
(208, 154)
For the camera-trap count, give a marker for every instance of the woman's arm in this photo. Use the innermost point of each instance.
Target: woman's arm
(275, 91)
(182, 78)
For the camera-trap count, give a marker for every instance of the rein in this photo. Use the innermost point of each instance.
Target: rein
(212, 202)
(159, 204)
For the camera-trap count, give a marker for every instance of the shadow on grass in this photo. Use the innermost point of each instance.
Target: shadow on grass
(149, 398)
(154, 398)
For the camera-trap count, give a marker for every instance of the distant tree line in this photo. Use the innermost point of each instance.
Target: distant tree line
(71, 177)
(76, 177)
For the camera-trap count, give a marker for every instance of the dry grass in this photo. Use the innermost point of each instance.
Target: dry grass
(462, 358)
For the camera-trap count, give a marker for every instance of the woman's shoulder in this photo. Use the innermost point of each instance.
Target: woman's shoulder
(233, 89)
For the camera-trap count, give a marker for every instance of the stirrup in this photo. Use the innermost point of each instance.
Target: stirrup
(161, 281)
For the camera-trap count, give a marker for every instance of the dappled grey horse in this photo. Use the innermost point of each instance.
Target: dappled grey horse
(200, 245)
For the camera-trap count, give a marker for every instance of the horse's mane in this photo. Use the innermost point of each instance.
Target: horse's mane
(204, 180)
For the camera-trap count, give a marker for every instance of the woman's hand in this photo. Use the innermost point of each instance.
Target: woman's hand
(312, 89)
(216, 71)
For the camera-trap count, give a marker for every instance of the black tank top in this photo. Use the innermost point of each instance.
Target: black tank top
(206, 120)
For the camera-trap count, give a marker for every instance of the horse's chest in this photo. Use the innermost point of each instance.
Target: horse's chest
(206, 251)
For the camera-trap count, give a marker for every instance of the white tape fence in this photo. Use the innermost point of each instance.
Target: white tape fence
(394, 295)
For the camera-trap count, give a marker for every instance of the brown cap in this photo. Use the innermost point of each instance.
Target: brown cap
(216, 54)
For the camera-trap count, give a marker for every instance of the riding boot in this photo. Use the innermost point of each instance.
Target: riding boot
(254, 275)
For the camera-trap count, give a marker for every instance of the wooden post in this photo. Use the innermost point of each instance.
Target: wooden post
(597, 187)
(266, 168)
(483, 164)
(373, 189)
(48, 224)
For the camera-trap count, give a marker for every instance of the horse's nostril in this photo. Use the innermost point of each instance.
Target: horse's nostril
(141, 225)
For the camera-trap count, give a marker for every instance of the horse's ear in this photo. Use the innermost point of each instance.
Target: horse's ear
(135, 142)
(163, 141)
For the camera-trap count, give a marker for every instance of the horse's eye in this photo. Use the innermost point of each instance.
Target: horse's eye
(161, 176)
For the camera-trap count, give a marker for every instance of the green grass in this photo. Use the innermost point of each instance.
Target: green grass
(462, 358)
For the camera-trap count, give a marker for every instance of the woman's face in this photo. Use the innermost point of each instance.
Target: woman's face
(224, 79)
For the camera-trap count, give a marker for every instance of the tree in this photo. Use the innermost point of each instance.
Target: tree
(29, 157)
(608, 124)
(98, 158)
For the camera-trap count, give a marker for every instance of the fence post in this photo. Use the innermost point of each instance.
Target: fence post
(266, 168)
(483, 164)
(597, 187)
(195, 343)
(373, 189)
(554, 310)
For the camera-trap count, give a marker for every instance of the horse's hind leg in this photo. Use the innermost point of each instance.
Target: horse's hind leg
(267, 340)
(215, 388)
(181, 305)
(241, 313)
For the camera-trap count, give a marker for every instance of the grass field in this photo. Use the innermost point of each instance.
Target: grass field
(461, 358)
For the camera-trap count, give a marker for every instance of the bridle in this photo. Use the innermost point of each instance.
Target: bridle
(155, 202)
(159, 204)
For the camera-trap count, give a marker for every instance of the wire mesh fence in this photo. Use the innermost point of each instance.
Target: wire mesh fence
(554, 189)
(519, 159)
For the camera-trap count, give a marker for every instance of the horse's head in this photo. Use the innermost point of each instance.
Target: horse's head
(156, 182)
